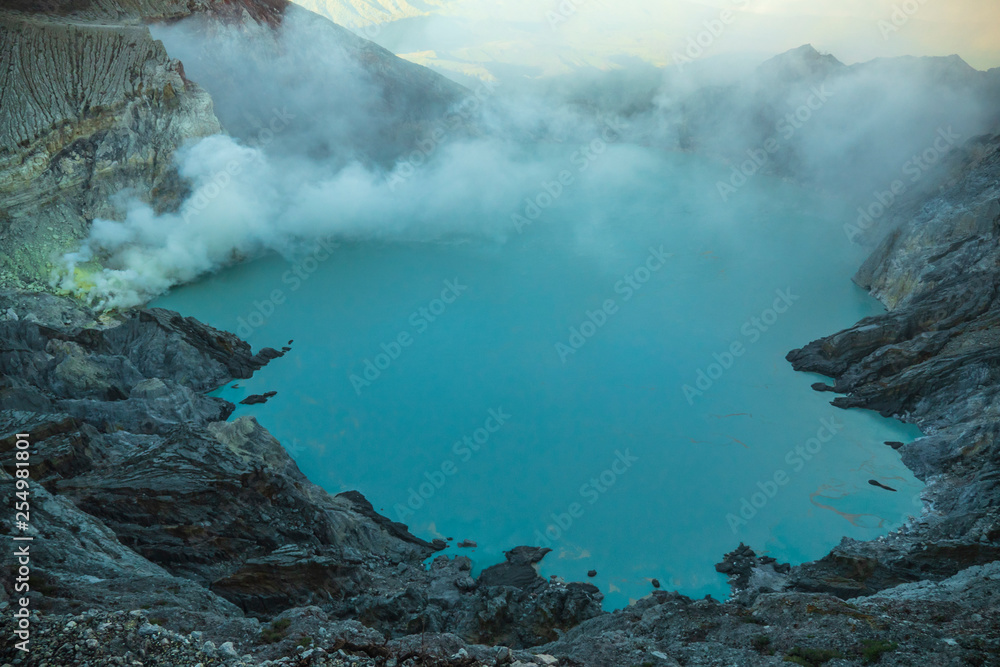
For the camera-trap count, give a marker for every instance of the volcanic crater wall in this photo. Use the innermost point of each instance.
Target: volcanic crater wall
(91, 106)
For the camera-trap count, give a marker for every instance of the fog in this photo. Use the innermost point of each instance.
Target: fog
(329, 135)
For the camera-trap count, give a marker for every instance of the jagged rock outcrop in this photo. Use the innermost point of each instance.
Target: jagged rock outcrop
(933, 360)
(956, 621)
(124, 432)
(518, 571)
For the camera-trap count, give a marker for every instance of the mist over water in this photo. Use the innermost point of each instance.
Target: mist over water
(647, 451)
(329, 134)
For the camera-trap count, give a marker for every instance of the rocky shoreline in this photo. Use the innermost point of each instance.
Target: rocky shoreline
(145, 498)
(165, 535)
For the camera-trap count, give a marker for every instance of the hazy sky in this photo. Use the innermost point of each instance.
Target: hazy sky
(855, 29)
(591, 30)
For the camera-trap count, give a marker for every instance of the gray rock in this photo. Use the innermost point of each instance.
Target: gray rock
(519, 571)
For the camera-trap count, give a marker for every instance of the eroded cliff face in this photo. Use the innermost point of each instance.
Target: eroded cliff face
(93, 109)
(91, 106)
(941, 237)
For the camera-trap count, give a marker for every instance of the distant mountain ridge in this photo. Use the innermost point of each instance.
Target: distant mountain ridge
(509, 40)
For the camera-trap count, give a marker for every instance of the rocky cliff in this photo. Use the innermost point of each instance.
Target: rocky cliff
(91, 105)
(934, 360)
(93, 109)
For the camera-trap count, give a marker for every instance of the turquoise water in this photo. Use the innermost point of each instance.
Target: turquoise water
(644, 444)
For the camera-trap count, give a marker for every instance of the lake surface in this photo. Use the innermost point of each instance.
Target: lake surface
(609, 381)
